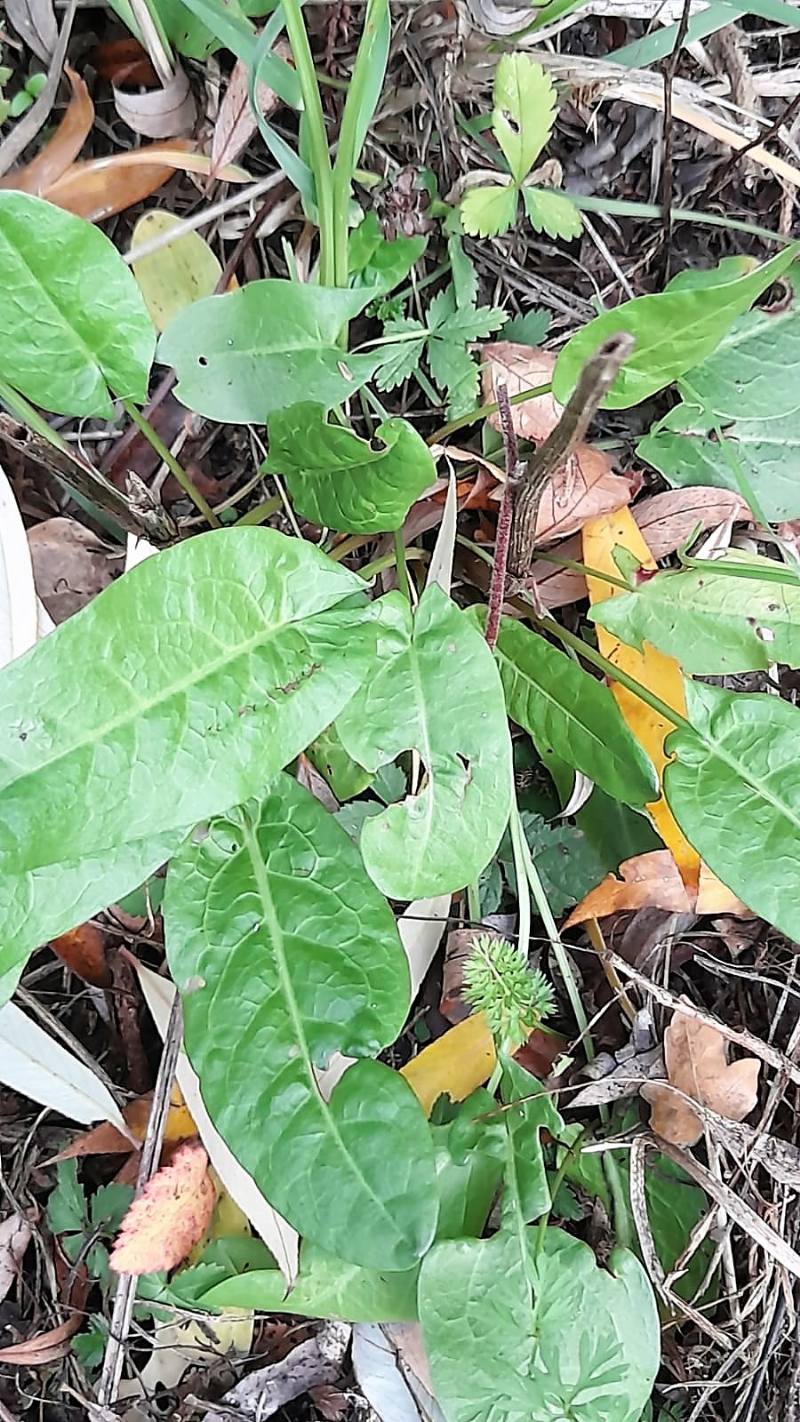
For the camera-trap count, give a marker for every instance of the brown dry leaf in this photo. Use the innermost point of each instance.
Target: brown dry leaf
(100, 187)
(71, 565)
(45, 1347)
(105, 1139)
(653, 881)
(696, 1057)
(62, 149)
(163, 112)
(123, 61)
(236, 122)
(83, 949)
(666, 521)
(15, 1236)
(585, 487)
(522, 368)
(35, 23)
(170, 1216)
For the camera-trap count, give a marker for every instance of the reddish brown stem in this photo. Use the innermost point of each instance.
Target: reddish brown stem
(497, 586)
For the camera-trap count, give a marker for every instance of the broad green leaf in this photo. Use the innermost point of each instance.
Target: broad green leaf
(674, 331)
(524, 111)
(326, 1287)
(553, 213)
(714, 623)
(734, 788)
(727, 269)
(435, 690)
(566, 710)
(339, 481)
(378, 263)
(566, 861)
(74, 329)
(240, 356)
(41, 903)
(490, 210)
(530, 1110)
(753, 374)
(175, 694)
(541, 1334)
(297, 956)
(172, 277)
(685, 449)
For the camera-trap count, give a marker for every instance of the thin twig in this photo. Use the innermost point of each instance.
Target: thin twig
(151, 1149)
(773, 131)
(502, 542)
(594, 383)
(26, 130)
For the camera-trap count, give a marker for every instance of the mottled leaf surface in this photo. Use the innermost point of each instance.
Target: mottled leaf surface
(74, 328)
(339, 481)
(297, 956)
(435, 690)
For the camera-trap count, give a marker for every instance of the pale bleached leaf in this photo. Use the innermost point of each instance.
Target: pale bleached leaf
(35, 1065)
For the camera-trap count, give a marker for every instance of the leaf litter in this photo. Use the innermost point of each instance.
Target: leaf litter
(721, 1111)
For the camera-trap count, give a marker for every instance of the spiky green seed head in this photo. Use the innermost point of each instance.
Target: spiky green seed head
(514, 998)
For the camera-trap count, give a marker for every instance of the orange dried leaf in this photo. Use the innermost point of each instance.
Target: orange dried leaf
(83, 950)
(64, 146)
(696, 1057)
(170, 1216)
(457, 1063)
(653, 881)
(661, 674)
(99, 187)
(105, 1139)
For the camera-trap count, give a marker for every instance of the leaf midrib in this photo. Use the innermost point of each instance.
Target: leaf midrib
(138, 710)
(50, 299)
(261, 878)
(716, 748)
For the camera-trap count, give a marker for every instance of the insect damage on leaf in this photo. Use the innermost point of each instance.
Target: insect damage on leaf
(170, 1216)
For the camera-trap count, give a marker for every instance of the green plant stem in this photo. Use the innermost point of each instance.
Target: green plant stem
(167, 457)
(481, 411)
(571, 1152)
(474, 902)
(402, 569)
(317, 138)
(388, 560)
(348, 148)
(261, 512)
(518, 845)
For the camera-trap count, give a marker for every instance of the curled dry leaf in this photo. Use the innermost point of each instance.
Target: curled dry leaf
(163, 112)
(696, 1058)
(123, 61)
(83, 950)
(169, 1218)
(522, 368)
(236, 122)
(100, 187)
(60, 150)
(45, 1347)
(71, 565)
(653, 881)
(35, 23)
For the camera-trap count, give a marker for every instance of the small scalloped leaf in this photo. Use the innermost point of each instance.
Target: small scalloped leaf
(553, 213)
(489, 211)
(169, 1218)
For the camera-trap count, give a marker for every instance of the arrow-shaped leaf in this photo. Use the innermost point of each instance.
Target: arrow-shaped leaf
(286, 953)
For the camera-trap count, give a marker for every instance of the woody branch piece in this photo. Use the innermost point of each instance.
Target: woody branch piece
(594, 383)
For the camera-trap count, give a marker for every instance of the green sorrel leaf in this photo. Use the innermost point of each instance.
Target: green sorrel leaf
(435, 690)
(339, 481)
(74, 328)
(298, 956)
